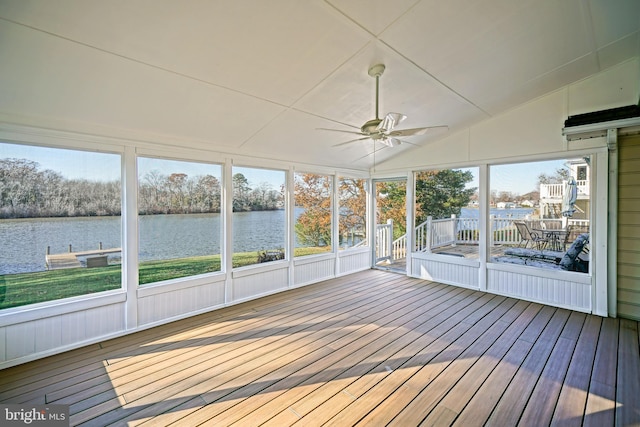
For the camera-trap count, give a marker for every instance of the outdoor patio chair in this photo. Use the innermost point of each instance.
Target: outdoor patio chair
(528, 236)
(571, 260)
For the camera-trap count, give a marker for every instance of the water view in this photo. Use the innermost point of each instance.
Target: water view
(25, 241)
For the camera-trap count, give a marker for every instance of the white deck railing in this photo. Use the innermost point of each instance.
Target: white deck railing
(556, 191)
(435, 233)
(384, 242)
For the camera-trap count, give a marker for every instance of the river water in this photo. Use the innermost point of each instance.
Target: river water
(24, 242)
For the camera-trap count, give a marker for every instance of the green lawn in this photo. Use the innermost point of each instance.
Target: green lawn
(30, 288)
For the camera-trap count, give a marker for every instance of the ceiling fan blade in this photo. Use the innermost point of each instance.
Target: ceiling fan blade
(415, 131)
(390, 121)
(390, 142)
(350, 141)
(343, 131)
(402, 141)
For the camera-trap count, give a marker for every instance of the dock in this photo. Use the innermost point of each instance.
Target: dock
(95, 258)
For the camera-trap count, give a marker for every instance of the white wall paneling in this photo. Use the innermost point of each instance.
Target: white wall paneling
(557, 288)
(446, 269)
(354, 260)
(313, 269)
(158, 303)
(28, 340)
(253, 282)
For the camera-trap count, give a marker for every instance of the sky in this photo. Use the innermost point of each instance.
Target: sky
(75, 164)
(519, 178)
(72, 164)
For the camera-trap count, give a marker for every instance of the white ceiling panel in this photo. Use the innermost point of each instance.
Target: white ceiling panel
(348, 95)
(493, 43)
(92, 86)
(374, 15)
(275, 50)
(614, 20)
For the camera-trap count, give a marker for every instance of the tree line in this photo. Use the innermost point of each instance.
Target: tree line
(27, 191)
(438, 194)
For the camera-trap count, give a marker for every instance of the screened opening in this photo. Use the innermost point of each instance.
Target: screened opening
(447, 212)
(179, 219)
(352, 221)
(313, 213)
(540, 214)
(259, 216)
(60, 223)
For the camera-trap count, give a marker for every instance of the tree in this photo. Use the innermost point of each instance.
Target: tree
(561, 175)
(207, 193)
(390, 203)
(352, 201)
(313, 194)
(442, 193)
(241, 190)
(176, 184)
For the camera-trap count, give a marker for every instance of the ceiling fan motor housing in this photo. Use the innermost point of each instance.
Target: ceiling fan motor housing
(371, 127)
(376, 70)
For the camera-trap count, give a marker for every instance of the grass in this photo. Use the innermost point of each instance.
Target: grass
(30, 288)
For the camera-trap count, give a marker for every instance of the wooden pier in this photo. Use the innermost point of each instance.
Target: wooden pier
(95, 258)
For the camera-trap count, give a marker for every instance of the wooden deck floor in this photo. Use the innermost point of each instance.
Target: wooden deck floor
(371, 348)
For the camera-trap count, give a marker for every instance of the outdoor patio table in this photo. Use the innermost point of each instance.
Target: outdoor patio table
(553, 236)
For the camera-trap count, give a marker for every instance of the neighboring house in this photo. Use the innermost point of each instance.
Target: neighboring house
(551, 195)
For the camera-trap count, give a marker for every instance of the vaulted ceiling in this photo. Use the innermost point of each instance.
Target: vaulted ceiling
(258, 77)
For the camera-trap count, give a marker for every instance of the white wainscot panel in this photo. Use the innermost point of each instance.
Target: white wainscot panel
(351, 261)
(558, 288)
(162, 302)
(46, 335)
(446, 269)
(257, 281)
(313, 269)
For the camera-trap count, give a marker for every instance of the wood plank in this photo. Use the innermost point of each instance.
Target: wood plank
(238, 356)
(368, 357)
(228, 354)
(480, 407)
(515, 397)
(278, 303)
(339, 393)
(59, 364)
(569, 410)
(600, 409)
(628, 391)
(437, 386)
(459, 396)
(542, 403)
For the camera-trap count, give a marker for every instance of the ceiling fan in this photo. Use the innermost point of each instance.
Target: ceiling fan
(383, 130)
